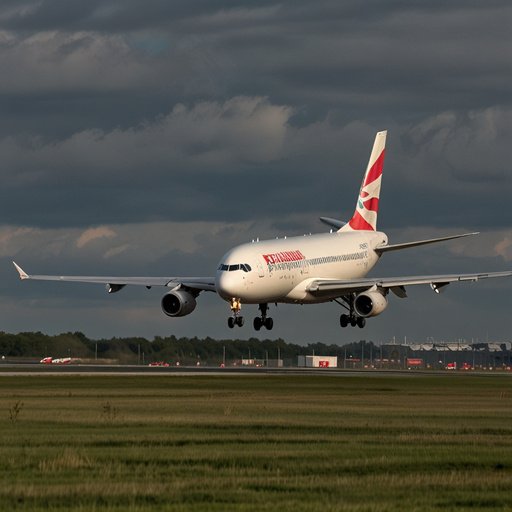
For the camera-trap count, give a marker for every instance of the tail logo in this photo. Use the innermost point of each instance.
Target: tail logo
(367, 206)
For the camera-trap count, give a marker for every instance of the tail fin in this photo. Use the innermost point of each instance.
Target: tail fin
(367, 207)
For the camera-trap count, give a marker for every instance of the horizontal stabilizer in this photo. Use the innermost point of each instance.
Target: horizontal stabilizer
(333, 223)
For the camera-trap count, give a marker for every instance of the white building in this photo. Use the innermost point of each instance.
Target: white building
(318, 361)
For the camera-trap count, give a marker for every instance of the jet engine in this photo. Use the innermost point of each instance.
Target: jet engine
(178, 303)
(370, 303)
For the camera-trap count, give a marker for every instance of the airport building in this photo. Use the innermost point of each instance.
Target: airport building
(317, 361)
(445, 355)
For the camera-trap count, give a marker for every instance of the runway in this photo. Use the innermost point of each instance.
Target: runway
(8, 369)
(39, 369)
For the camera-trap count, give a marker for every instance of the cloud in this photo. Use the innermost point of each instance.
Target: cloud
(208, 137)
(115, 251)
(131, 247)
(470, 147)
(210, 159)
(57, 61)
(188, 127)
(12, 239)
(174, 163)
(94, 234)
(504, 248)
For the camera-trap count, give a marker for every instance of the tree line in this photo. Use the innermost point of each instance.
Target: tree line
(137, 350)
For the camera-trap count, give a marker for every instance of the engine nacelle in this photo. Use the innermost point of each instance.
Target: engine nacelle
(178, 303)
(369, 304)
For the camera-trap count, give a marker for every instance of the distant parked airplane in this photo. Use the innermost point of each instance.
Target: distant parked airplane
(303, 269)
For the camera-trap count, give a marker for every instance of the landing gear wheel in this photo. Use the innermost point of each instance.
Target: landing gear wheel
(239, 320)
(344, 319)
(361, 322)
(353, 322)
(231, 322)
(263, 320)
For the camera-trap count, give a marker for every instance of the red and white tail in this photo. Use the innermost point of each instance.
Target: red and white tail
(367, 207)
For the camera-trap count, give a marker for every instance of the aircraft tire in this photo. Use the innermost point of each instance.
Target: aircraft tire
(343, 320)
(361, 322)
(257, 323)
(239, 321)
(269, 323)
(231, 322)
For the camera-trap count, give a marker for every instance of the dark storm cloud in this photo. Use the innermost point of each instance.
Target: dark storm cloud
(208, 161)
(337, 54)
(142, 136)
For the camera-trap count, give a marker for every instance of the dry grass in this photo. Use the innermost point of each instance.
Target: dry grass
(256, 443)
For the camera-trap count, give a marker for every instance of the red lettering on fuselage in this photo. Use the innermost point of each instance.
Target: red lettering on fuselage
(281, 257)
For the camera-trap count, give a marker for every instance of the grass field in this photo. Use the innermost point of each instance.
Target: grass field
(247, 443)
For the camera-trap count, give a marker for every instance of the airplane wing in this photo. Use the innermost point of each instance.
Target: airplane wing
(395, 247)
(115, 283)
(339, 288)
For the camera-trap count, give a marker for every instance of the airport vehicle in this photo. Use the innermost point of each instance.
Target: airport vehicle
(302, 269)
(62, 360)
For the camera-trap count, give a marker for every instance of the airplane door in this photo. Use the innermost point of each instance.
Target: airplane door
(261, 271)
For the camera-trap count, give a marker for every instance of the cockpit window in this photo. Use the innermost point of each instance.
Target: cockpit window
(231, 268)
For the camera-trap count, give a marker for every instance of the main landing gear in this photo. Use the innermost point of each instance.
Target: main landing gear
(263, 320)
(236, 319)
(351, 318)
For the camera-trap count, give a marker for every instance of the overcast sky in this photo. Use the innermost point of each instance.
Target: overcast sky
(147, 138)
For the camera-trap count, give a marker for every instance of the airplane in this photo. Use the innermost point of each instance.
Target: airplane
(307, 269)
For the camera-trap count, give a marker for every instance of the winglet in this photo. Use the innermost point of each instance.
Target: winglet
(21, 272)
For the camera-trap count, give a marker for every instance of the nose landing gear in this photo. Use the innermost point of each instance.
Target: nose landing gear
(236, 318)
(263, 320)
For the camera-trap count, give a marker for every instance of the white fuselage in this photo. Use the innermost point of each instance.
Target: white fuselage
(280, 270)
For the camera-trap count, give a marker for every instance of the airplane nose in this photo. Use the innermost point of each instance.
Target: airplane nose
(226, 285)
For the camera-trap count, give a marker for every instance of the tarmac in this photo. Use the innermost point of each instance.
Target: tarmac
(9, 369)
